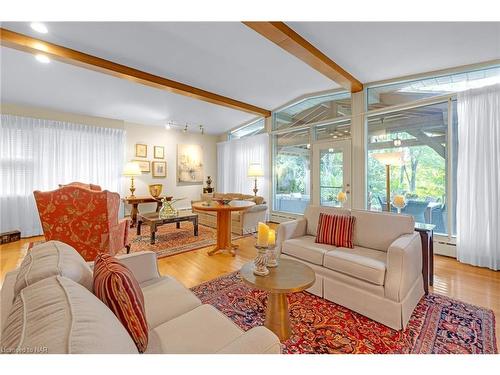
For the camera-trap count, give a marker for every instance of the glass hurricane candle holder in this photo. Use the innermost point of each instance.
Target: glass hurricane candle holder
(272, 257)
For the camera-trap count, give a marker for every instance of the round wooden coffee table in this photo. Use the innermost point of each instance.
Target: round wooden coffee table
(289, 277)
(223, 221)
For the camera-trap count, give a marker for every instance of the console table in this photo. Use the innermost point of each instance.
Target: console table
(426, 232)
(136, 200)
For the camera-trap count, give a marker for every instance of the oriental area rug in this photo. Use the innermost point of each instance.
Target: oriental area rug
(438, 325)
(169, 240)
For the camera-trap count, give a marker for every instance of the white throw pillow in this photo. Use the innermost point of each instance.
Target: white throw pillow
(53, 258)
(58, 316)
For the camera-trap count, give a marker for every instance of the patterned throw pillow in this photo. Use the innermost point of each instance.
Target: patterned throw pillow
(116, 286)
(335, 230)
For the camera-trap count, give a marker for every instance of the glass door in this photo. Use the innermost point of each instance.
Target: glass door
(332, 173)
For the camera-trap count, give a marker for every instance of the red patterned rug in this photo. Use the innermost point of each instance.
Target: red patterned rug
(438, 325)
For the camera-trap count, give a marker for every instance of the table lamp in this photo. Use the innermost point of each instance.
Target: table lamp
(131, 170)
(255, 170)
(388, 159)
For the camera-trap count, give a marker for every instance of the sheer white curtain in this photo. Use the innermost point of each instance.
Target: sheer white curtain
(40, 154)
(478, 177)
(233, 159)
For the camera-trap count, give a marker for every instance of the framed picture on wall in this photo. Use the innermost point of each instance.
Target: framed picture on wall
(159, 168)
(159, 152)
(141, 150)
(145, 165)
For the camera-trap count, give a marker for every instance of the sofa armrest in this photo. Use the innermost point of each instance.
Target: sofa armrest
(290, 229)
(258, 340)
(143, 265)
(404, 266)
(256, 208)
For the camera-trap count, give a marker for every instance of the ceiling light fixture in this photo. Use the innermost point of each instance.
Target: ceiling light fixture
(202, 130)
(168, 126)
(397, 142)
(185, 129)
(39, 27)
(42, 58)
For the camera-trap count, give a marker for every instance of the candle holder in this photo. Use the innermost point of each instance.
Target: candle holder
(260, 261)
(272, 257)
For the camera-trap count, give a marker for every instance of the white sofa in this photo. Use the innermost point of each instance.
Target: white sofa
(380, 278)
(56, 313)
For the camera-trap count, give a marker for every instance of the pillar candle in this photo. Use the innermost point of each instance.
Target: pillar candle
(262, 234)
(272, 237)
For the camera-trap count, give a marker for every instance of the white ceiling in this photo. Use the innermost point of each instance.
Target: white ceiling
(229, 59)
(373, 51)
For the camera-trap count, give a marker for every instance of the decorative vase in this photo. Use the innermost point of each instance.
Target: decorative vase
(166, 209)
(272, 257)
(155, 190)
(260, 261)
(209, 182)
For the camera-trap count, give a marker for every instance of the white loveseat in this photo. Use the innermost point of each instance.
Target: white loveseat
(380, 278)
(56, 313)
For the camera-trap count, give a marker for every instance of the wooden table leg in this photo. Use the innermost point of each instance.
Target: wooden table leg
(178, 225)
(133, 214)
(431, 258)
(195, 225)
(223, 233)
(153, 234)
(277, 316)
(425, 260)
(139, 224)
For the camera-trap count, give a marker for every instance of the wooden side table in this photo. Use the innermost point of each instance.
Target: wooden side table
(223, 221)
(289, 277)
(136, 200)
(426, 232)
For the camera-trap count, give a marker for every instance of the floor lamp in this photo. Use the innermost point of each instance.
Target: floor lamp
(389, 159)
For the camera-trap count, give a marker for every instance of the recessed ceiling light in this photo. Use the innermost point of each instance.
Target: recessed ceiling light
(42, 58)
(39, 27)
(168, 127)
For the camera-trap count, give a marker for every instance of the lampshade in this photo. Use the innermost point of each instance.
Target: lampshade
(132, 169)
(255, 170)
(389, 158)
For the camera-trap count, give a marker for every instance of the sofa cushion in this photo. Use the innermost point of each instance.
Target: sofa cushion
(362, 263)
(312, 216)
(306, 248)
(53, 258)
(203, 330)
(116, 286)
(159, 298)
(335, 230)
(60, 316)
(378, 230)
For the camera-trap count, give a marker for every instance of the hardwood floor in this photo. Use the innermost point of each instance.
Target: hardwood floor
(478, 286)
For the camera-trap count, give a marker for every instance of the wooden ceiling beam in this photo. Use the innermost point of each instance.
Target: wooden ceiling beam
(36, 46)
(285, 37)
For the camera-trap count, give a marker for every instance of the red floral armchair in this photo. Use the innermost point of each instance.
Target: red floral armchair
(83, 218)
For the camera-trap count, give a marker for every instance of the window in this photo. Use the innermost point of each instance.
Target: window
(291, 164)
(421, 137)
(333, 130)
(253, 128)
(405, 92)
(313, 110)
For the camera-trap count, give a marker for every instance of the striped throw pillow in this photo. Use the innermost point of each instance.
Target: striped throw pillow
(116, 286)
(335, 230)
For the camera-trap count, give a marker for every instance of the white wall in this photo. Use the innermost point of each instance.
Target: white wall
(169, 139)
(138, 133)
